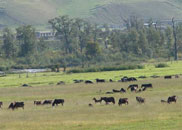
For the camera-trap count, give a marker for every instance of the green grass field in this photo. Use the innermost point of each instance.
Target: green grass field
(76, 115)
(13, 80)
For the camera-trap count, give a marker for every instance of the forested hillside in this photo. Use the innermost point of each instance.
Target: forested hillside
(108, 11)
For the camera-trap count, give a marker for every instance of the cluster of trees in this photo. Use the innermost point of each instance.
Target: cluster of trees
(78, 42)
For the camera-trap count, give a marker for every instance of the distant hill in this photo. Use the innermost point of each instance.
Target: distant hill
(102, 11)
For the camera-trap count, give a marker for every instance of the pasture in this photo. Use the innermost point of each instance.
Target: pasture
(77, 115)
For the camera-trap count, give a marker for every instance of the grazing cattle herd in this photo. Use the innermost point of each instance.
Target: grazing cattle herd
(108, 100)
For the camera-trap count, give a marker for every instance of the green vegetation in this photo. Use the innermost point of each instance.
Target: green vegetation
(107, 11)
(47, 78)
(161, 65)
(75, 114)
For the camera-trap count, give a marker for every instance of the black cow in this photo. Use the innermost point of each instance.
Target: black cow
(123, 101)
(37, 102)
(122, 90)
(110, 80)
(88, 82)
(1, 103)
(100, 80)
(140, 100)
(96, 101)
(133, 89)
(116, 91)
(47, 102)
(132, 86)
(168, 77)
(11, 106)
(146, 85)
(16, 105)
(108, 99)
(77, 81)
(58, 101)
(172, 99)
(132, 79)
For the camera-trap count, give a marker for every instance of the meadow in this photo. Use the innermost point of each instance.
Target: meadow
(77, 115)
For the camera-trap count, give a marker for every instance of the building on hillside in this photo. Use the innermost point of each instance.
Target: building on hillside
(45, 35)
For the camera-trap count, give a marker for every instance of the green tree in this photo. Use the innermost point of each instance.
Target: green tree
(8, 43)
(27, 39)
(92, 49)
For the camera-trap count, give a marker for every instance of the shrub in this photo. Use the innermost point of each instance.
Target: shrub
(100, 69)
(161, 65)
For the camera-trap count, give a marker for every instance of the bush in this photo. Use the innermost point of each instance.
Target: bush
(100, 69)
(161, 65)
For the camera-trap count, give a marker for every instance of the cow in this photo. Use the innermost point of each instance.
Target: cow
(110, 80)
(132, 79)
(132, 86)
(149, 85)
(116, 91)
(96, 101)
(140, 100)
(37, 102)
(108, 100)
(61, 83)
(90, 105)
(122, 90)
(47, 102)
(1, 103)
(16, 105)
(124, 79)
(172, 99)
(168, 77)
(77, 81)
(123, 101)
(133, 89)
(88, 82)
(100, 80)
(58, 101)
(11, 106)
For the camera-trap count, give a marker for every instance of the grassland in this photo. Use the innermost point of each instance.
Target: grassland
(29, 11)
(76, 115)
(40, 79)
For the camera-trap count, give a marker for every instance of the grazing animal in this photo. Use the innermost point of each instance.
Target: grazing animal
(37, 103)
(16, 105)
(109, 92)
(123, 101)
(47, 102)
(140, 100)
(168, 77)
(163, 101)
(58, 101)
(108, 100)
(90, 105)
(88, 82)
(116, 91)
(61, 83)
(133, 89)
(11, 106)
(149, 85)
(1, 103)
(132, 86)
(110, 80)
(25, 85)
(132, 79)
(100, 80)
(172, 99)
(97, 101)
(77, 81)
(123, 90)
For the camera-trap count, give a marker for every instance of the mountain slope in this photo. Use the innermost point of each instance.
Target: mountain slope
(110, 11)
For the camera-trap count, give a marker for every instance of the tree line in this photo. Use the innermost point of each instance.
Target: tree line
(81, 43)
